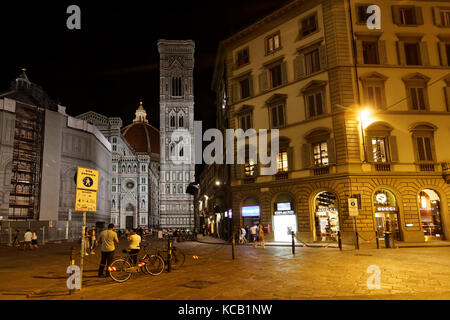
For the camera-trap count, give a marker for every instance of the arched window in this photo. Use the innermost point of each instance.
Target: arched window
(181, 151)
(129, 169)
(113, 204)
(123, 169)
(181, 121)
(177, 88)
(172, 150)
(135, 168)
(172, 121)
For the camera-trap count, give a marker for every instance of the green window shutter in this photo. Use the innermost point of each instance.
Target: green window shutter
(284, 73)
(290, 156)
(419, 16)
(323, 57)
(250, 85)
(447, 97)
(437, 16)
(396, 15)
(443, 53)
(331, 151)
(306, 155)
(401, 53)
(382, 51)
(263, 81)
(369, 151)
(299, 70)
(393, 149)
(359, 52)
(424, 53)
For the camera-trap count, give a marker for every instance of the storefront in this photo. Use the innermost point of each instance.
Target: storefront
(284, 218)
(430, 214)
(387, 217)
(326, 216)
(250, 212)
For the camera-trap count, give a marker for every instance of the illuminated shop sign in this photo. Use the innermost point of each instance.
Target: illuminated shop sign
(252, 211)
(284, 206)
(285, 212)
(381, 198)
(387, 209)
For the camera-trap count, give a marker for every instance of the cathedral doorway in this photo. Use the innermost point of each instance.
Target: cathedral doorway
(129, 216)
(129, 222)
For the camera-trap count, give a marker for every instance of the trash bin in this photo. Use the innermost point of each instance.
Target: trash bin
(388, 240)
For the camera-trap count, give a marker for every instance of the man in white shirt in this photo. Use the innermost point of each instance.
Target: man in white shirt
(27, 239)
(133, 248)
(253, 230)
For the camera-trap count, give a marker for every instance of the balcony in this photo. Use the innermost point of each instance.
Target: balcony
(446, 171)
(318, 171)
(429, 167)
(383, 167)
(281, 176)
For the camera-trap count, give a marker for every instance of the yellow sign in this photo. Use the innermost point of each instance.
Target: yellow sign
(87, 179)
(86, 200)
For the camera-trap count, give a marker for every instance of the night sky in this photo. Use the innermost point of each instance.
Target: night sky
(113, 61)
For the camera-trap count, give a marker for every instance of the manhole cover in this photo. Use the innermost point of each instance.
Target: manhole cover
(197, 284)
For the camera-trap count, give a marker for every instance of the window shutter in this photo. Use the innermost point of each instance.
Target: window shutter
(284, 73)
(234, 93)
(359, 52)
(447, 97)
(396, 15)
(369, 150)
(299, 70)
(437, 16)
(263, 81)
(424, 53)
(419, 17)
(443, 53)
(393, 148)
(401, 53)
(290, 156)
(331, 151)
(382, 51)
(239, 171)
(250, 85)
(306, 155)
(323, 57)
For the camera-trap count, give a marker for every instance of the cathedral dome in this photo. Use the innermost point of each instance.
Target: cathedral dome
(142, 136)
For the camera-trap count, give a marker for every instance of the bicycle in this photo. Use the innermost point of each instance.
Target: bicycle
(121, 268)
(177, 259)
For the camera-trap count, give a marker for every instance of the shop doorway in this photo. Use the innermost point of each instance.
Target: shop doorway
(430, 214)
(387, 217)
(326, 216)
(284, 218)
(250, 212)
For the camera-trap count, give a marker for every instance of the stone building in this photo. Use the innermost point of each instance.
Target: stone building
(135, 168)
(362, 113)
(41, 148)
(177, 132)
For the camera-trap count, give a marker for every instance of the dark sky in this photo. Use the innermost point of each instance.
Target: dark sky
(113, 61)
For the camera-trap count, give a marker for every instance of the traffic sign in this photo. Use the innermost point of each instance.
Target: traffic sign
(87, 179)
(86, 200)
(353, 207)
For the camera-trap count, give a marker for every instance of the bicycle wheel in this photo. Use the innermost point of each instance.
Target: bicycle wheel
(177, 259)
(154, 265)
(118, 270)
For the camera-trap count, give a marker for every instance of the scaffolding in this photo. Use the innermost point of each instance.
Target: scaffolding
(27, 159)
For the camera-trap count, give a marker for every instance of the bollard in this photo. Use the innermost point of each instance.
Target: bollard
(357, 240)
(339, 241)
(72, 262)
(169, 253)
(233, 247)
(293, 242)
(377, 240)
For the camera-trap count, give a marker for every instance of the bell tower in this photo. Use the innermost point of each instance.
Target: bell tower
(176, 132)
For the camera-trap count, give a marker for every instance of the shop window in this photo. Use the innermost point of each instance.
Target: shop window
(242, 57)
(273, 43)
(309, 25)
(387, 218)
(284, 217)
(326, 217)
(430, 214)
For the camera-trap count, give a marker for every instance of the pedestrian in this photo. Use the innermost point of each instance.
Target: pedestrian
(16, 238)
(247, 233)
(87, 242)
(27, 239)
(242, 239)
(160, 234)
(93, 240)
(34, 239)
(253, 233)
(107, 239)
(261, 236)
(133, 248)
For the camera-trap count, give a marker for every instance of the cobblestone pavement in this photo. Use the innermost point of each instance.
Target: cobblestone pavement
(271, 273)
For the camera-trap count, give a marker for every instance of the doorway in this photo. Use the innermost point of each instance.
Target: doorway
(430, 214)
(387, 217)
(326, 216)
(284, 218)
(129, 222)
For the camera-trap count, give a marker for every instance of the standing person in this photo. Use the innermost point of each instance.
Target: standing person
(133, 248)
(253, 231)
(160, 234)
(107, 238)
(242, 239)
(27, 239)
(247, 233)
(93, 240)
(87, 242)
(16, 238)
(261, 236)
(34, 239)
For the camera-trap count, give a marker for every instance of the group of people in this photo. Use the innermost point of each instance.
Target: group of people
(30, 239)
(256, 233)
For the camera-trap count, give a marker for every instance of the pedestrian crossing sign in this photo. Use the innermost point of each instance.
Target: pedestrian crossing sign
(87, 179)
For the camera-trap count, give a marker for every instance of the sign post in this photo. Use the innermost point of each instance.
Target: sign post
(86, 201)
(353, 212)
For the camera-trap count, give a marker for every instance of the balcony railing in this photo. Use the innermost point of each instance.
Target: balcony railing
(383, 167)
(281, 176)
(318, 171)
(426, 167)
